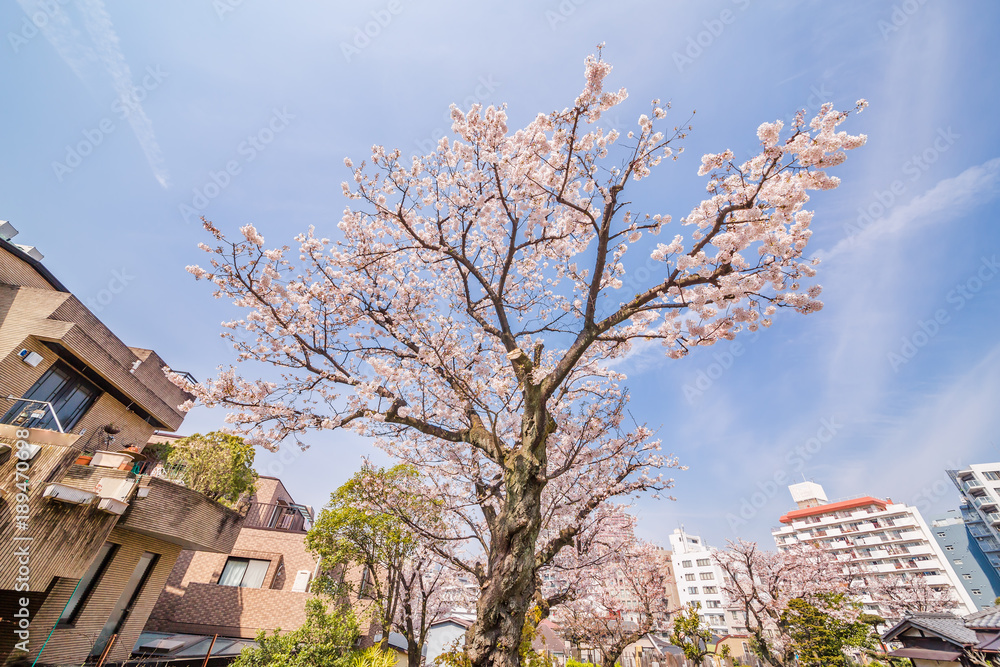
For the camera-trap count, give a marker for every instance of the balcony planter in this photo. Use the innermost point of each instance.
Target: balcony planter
(105, 459)
(84, 459)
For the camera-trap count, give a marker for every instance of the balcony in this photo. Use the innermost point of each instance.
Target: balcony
(985, 503)
(971, 485)
(993, 518)
(278, 516)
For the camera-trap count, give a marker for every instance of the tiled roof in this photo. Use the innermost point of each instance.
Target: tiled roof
(987, 618)
(947, 626)
(833, 507)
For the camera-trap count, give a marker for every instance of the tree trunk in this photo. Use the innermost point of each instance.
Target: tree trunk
(413, 651)
(507, 593)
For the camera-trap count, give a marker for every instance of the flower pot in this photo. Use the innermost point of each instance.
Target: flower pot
(84, 459)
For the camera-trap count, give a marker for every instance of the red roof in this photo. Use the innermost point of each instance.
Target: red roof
(833, 507)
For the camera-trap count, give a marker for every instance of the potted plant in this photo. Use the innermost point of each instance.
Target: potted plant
(84, 458)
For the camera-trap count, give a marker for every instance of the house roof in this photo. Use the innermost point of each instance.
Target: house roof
(833, 507)
(464, 622)
(926, 654)
(947, 626)
(987, 618)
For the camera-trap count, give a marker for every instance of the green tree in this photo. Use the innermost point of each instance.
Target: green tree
(350, 534)
(326, 639)
(692, 636)
(819, 633)
(216, 464)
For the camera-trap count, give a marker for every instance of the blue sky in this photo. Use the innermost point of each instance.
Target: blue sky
(895, 380)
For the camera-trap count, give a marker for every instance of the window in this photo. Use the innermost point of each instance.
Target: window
(693, 590)
(706, 576)
(941, 534)
(976, 591)
(129, 596)
(710, 590)
(704, 562)
(992, 475)
(967, 576)
(244, 572)
(713, 604)
(689, 576)
(957, 561)
(686, 563)
(949, 547)
(87, 584)
(70, 394)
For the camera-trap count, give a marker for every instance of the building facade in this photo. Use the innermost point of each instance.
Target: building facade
(978, 577)
(86, 544)
(699, 579)
(872, 535)
(262, 583)
(979, 485)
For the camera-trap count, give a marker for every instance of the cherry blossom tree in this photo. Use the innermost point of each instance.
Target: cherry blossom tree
(761, 585)
(469, 313)
(619, 599)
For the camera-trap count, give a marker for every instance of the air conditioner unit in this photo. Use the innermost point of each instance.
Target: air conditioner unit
(30, 358)
(112, 506)
(68, 494)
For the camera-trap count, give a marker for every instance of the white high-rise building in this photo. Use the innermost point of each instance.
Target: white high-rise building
(979, 485)
(699, 579)
(872, 535)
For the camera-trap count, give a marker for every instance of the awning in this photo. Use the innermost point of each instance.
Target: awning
(926, 654)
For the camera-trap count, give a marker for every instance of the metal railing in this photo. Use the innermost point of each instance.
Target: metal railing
(276, 516)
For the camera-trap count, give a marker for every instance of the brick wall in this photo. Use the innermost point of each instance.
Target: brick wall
(192, 600)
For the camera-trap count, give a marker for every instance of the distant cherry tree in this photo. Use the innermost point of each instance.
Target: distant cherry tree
(470, 309)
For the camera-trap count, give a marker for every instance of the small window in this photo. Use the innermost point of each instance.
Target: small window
(967, 576)
(709, 590)
(992, 475)
(693, 590)
(976, 591)
(87, 584)
(689, 576)
(244, 572)
(941, 534)
(956, 561)
(704, 562)
(706, 576)
(949, 547)
(686, 563)
(713, 604)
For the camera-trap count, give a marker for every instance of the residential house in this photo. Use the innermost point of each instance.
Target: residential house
(261, 583)
(86, 544)
(943, 639)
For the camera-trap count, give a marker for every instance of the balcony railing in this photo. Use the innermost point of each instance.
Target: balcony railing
(985, 502)
(277, 516)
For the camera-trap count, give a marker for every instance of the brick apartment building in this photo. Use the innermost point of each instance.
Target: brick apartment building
(87, 544)
(262, 583)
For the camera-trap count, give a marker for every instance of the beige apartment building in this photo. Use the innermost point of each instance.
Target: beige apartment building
(86, 543)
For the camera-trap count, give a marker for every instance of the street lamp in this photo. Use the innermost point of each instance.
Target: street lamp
(11, 397)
